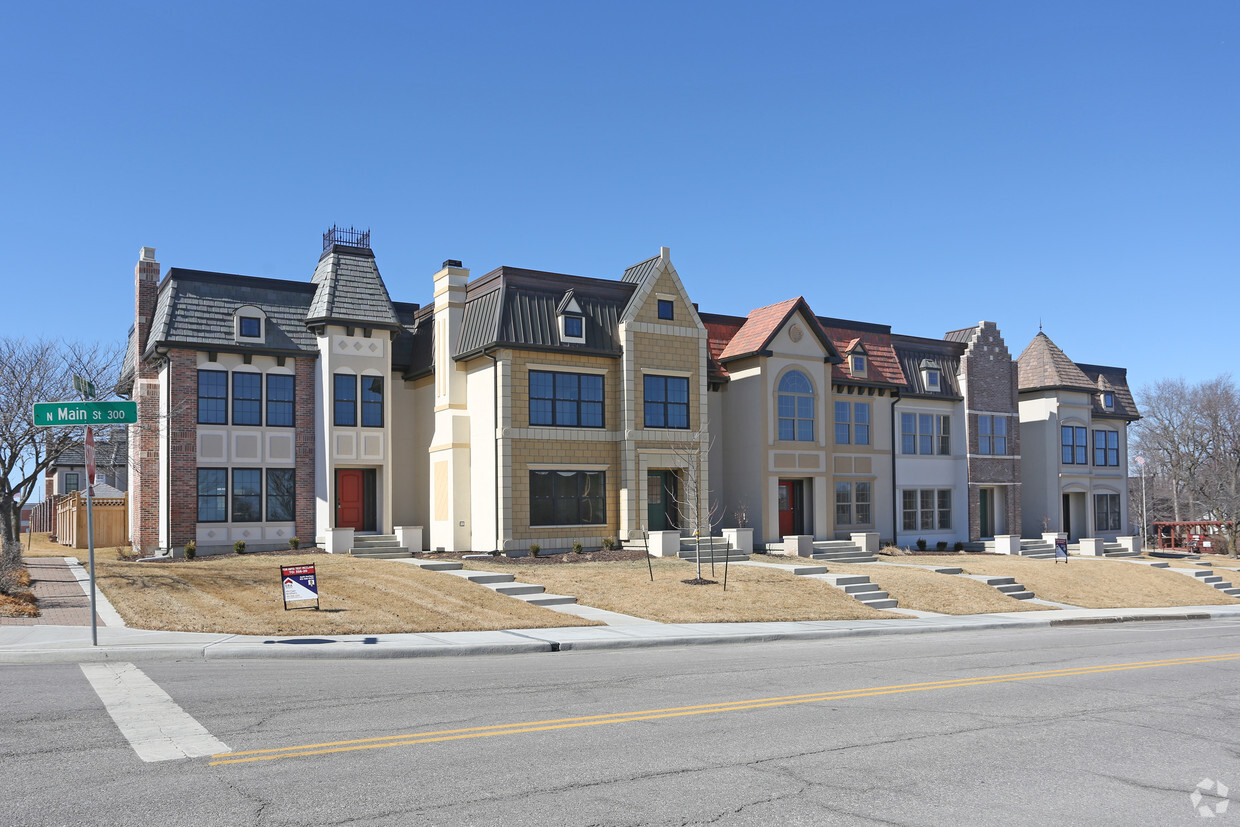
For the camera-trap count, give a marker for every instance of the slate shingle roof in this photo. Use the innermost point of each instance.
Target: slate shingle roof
(1114, 380)
(350, 290)
(195, 308)
(107, 453)
(1044, 365)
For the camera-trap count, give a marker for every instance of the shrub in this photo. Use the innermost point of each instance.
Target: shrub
(941, 545)
(535, 549)
(609, 543)
(577, 547)
(959, 546)
(893, 551)
(921, 544)
(294, 543)
(191, 550)
(239, 546)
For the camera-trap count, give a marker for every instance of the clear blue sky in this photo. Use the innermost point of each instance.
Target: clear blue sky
(920, 164)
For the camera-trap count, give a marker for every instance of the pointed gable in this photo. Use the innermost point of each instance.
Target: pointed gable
(874, 341)
(656, 279)
(350, 291)
(762, 324)
(1044, 365)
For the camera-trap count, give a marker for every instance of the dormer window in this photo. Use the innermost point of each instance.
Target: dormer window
(248, 324)
(572, 320)
(1108, 400)
(856, 364)
(931, 376)
(932, 380)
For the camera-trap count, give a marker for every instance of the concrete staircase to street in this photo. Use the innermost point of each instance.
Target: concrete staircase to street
(1208, 576)
(1007, 585)
(709, 550)
(840, 551)
(379, 547)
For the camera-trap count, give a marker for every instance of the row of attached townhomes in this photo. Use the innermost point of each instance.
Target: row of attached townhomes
(524, 406)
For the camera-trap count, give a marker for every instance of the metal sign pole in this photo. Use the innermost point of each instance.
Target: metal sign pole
(89, 451)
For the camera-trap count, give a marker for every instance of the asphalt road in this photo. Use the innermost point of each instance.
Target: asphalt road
(1110, 724)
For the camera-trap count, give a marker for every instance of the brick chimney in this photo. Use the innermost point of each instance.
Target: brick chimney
(144, 436)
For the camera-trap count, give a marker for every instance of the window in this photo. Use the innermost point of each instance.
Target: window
(852, 503)
(250, 327)
(372, 401)
(926, 509)
(212, 397)
(281, 502)
(796, 407)
(72, 482)
(932, 380)
(247, 399)
(667, 402)
(566, 399)
(574, 327)
(992, 435)
(212, 495)
(279, 400)
(1075, 445)
(925, 434)
(1108, 400)
(1106, 512)
(568, 498)
(852, 423)
(344, 390)
(247, 495)
(665, 309)
(1106, 448)
(857, 365)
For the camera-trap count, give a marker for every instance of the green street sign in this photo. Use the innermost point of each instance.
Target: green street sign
(84, 386)
(47, 414)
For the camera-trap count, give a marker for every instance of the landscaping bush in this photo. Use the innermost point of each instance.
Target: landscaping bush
(893, 551)
(191, 550)
(921, 544)
(294, 543)
(577, 547)
(941, 545)
(609, 543)
(239, 546)
(959, 546)
(535, 549)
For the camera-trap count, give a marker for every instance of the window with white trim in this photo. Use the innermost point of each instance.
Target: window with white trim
(926, 434)
(795, 403)
(1106, 512)
(926, 509)
(852, 503)
(1074, 442)
(1106, 448)
(992, 435)
(852, 423)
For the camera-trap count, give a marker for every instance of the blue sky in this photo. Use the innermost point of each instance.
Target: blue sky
(925, 165)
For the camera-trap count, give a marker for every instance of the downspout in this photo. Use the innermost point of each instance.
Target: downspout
(895, 497)
(499, 542)
(166, 402)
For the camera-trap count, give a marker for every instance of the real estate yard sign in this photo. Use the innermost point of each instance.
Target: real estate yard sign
(300, 584)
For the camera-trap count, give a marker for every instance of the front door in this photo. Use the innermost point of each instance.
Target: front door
(983, 507)
(790, 518)
(662, 492)
(350, 499)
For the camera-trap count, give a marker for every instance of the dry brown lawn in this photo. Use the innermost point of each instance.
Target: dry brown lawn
(755, 594)
(947, 594)
(1091, 584)
(43, 547)
(243, 595)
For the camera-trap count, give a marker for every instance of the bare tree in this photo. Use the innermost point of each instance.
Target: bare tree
(40, 371)
(696, 509)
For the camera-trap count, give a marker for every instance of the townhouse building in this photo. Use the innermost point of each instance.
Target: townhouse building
(524, 406)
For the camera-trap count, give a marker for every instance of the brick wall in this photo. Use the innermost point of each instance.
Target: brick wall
(303, 412)
(183, 445)
(991, 389)
(144, 436)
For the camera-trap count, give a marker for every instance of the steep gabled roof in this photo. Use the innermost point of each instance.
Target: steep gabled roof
(1044, 365)
(350, 291)
(883, 369)
(638, 272)
(762, 324)
(719, 331)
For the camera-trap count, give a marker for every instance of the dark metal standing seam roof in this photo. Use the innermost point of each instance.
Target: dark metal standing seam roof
(638, 272)
(948, 364)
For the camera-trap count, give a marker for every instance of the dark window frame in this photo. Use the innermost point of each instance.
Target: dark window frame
(277, 406)
(242, 324)
(1073, 445)
(255, 499)
(251, 411)
(665, 406)
(564, 497)
(291, 494)
(568, 406)
(221, 399)
(221, 496)
(371, 407)
(1107, 518)
(574, 320)
(338, 381)
(665, 309)
(73, 481)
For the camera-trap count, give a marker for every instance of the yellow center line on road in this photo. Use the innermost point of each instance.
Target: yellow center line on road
(408, 739)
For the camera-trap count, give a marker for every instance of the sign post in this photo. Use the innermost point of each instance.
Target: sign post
(299, 584)
(90, 527)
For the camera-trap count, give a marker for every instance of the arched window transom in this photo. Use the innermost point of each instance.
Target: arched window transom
(796, 407)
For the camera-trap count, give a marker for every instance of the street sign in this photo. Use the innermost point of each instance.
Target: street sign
(84, 387)
(299, 583)
(47, 414)
(90, 455)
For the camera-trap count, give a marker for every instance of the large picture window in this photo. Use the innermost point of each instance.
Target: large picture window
(247, 398)
(796, 407)
(279, 400)
(926, 509)
(1074, 444)
(992, 435)
(852, 423)
(372, 401)
(852, 503)
(667, 401)
(212, 397)
(568, 498)
(1106, 448)
(281, 491)
(212, 495)
(566, 399)
(1106, 512)
(344, 396)
(247, 495)
(926, 434)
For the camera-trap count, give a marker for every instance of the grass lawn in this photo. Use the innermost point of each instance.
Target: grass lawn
(43, 547)
(1091, 584)
(242, 595)
(948, 594)
(755, 594)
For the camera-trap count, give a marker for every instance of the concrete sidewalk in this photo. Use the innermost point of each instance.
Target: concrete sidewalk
(30, 643)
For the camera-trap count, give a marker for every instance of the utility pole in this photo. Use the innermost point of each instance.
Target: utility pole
(1145, 525)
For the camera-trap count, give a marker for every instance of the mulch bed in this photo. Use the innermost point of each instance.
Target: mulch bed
(544, 559)
(232, 555)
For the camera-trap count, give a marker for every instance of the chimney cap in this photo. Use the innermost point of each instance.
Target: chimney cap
(147, 253)
(452, 262)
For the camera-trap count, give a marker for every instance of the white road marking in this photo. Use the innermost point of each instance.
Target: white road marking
(103, 607)
(156, 727)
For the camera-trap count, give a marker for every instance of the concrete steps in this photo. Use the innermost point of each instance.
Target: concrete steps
(711, 550)
(1008, 586)
(840, 551)
(379, 547)
(506, 584)
(1217, 582)
(1116, 550)
(859, 587)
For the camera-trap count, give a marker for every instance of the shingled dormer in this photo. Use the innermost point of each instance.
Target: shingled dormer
(350, 291)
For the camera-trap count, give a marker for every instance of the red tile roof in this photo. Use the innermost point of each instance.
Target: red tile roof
(883, 368)
(760, 325)
(719, 331)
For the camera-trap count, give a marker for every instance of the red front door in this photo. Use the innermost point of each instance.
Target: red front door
(787, 516)
(350, 511)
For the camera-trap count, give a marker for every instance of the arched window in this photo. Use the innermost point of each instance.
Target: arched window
(796, 407)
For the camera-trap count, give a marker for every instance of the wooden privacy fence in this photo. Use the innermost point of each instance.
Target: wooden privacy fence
(111, 520)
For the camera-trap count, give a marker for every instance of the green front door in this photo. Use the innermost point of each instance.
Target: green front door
(983, 508)
(661, 500)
